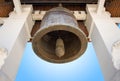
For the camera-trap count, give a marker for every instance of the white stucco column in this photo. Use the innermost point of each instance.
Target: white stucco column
(18, 7)
(14, 34)
(100, 6)
(104, 35)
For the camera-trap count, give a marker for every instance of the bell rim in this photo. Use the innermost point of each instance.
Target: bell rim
(71, 29)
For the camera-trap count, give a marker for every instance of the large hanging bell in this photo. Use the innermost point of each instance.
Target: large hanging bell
(59, 39)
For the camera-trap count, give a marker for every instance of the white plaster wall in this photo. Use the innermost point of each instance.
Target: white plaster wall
(103, 35)
(14, 35)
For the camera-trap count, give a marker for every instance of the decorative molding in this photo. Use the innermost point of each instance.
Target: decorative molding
(3, 56)
(116, 55)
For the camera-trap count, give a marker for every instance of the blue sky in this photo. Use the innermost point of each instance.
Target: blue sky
(119, 25)
(86, 68)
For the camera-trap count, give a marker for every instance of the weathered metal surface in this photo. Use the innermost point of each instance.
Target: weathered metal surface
(36, 27)
(59, 22)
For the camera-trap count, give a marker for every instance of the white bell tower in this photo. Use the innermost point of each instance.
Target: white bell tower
(103, 32)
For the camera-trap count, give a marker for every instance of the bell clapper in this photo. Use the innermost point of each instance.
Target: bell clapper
(59, 50)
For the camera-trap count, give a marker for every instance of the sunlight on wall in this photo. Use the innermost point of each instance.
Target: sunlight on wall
(85, 68)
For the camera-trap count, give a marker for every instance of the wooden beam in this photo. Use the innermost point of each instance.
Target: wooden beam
(5, 9)
(114, 8)
(58, 1)
(1, 1)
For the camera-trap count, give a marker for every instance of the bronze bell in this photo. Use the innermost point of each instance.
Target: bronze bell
(59, 39)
